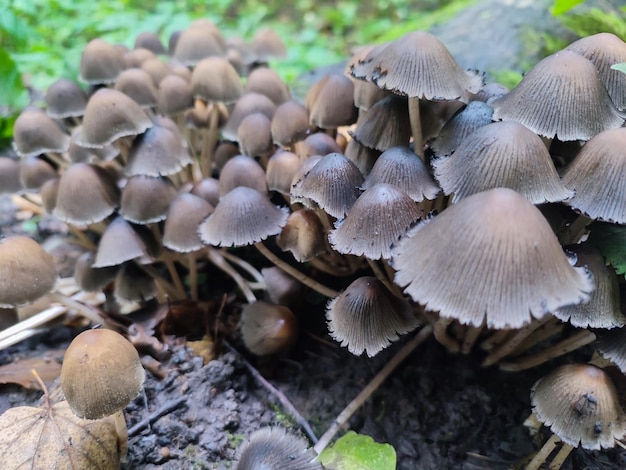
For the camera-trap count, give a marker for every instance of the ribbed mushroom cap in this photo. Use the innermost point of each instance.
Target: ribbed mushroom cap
(603, 308)
(268, 329)
(79, 154)
(377, 220)
(138, 85)
(92, 279)
(242, 170)
(417, 65)
(10, 176)
(562, 96)
(87, 194)
(579, 403)
(100, 62)
(605, 50)
(195, 44)
(255, 135)
(281, 167)
(133, 284)
(214, 79)
(180, 232)
(174, 95)
(121, 242)
(208, 189)
(34, 133)
(34, 172)
(110, 114)
(476, 114)
(385, 125)
(333, 103)
(157, 152)
(101, 373)
(501, 256)
(399, 166)
(501, 155)
(290, 123)
(136, 57)
(243, 216)
(146, 199)
(363, 157)
(149, 40)
(489, 92)
(267, 82)
(246, 105)
(266, 43)
(275, 448)
(65, 98)
(318, 143)
(366, 94)
(333, 184)
(27, 271)
(611, 344)
(303, 235)
(306, 166)
(367, 317)
(597, 175)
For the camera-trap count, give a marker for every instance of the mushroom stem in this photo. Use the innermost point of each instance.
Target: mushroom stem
(254, 272)
(559, 458)
(574, 231)
(209, 140)
(440, 332)
(471, 335)
(382, 277)
(543, 454)
(218, 260)
(371, 387)
(167, 287)
(24, 329)
(193, 276)
(416, 126)
(178, 283)
(299, 275)
(495, 339)
(73, 304)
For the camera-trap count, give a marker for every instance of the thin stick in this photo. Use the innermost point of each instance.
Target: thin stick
(243, 264)
(216, 258)
(168, 407)
(416, 126)
(559, 458)
(193, 275)
(541, 456)
(284, 401)
(178, 283)
(371, 387)
(441, 335)
(300, 276)
(72, 304)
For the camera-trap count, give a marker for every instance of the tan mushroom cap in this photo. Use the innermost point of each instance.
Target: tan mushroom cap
(214, 79)
(281, 288)
(174, 95)
(34, 172)
(476, 114)
(65, 98)
(318, 144)
(101, 373)
(208, 189)
(243, 216)
(87, 194)
(597, 175)
(121, 242)
(100, 62)
(27, 271)
(137, 56)
(501, 256)
(242, 170)
(384, 125)
(195, 44)
(266, 43)
(89, 278)
(267, 82)
(157, 69)
(151, 41)
(248, 104)
(501, 155)
(138, 85)
(579, 403)
(186, 213)
(79, 154)
(34, 133)
(133, 284)
(255, 135)
(303, 235)
(49, 193)
(290, 123)
(268, 329)
(611, 344)
(561, 96)
(333, 103)
(376, 222)
(281, 167)
(10, 176)
(366, 317)
(110, 114)
(146, 199)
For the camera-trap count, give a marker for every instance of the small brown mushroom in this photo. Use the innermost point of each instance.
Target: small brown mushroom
(268, 329)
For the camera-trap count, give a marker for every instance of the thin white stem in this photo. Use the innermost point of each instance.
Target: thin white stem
(543, 454)
(218, 260)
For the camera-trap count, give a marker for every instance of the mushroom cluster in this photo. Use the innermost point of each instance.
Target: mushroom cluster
(415, 191)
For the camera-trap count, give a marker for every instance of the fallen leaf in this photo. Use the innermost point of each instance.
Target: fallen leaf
(19, 372)
(358, 452)
(205, 348)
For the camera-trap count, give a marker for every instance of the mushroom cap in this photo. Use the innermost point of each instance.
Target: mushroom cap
(208, 189)
(80, 154)
(367, 317)
(89, 278)
(303, 235)
(281, 167)
(186, 212)
(34, 133)
(579, 403)
(214, 79)
(266, 43)
(243, 216)
(146, 199)
(318, 143)
(417, 65)
(174, 95)
(150, 41)
(267, 82)
(197, 43)
(561, 96)
(242, 170)
(597, 175)
(255, 135)
(476, 114)
(376, 222)
(332, 105)
(10, 176)
(138, 85)
(65, 98)
(133, 284)
(501, 256)
(134, 58)
(156, 69)
(121, 242)
(27, 271)
(101, 373)
(290, 123)
(281, 288)
(34, 172)
(501, 155)
(248, 104)
(384, 125)
(268, 329)
(100, 62)
(612, 345)
(110, 114)
(363, 157)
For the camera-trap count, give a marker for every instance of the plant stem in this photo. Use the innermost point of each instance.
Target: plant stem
(218, 260)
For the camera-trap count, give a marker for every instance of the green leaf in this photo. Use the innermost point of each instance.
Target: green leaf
(611, 241)
(621, 67)
(12, 91)
(563, 6)
(358, 452)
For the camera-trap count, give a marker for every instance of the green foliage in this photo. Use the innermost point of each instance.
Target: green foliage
(611, 241)
(358, 452)
(595, 21)
(563, 6)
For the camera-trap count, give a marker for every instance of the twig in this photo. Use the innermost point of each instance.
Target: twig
(284, 401)
(168, 407)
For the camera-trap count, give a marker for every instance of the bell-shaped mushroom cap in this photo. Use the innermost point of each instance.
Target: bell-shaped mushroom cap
(149, 40)
(366, 94)
(242, 170)
(417, 65)
(562, 96)
(214, 79)
(333, 184)
(100, 62)
(64, 98)
(92, 279)
(501, 155)
(121, 242)
(34, 133)
(367, 317)
(174, 95)
(385, 125)
(303, 235)
(208, 189)
(156, 69)
(290, 123)
(275, 448)
(281, 167)
(248, 104)
(267, 82)
(195, 44)
(476, 114)
(133, 284)
(255, 136)
(136, 57)
(87, 194)
(363, 157)
(146, 199)
(579, 403)
(10, 176)
(333, 103)
(378, 219)
(611, 344)
(319, 144)
(79, 154)
(101, 373)
(598, 177)
(157, 152)
(49, 192)
(282, 288)
(138, 85)
(603, 308)
(27, 271)
(110, 114)
(400, 167)
(243, 216)
(268, 329)
(605, 50)
(266, 43)
(34, 172)
(180, 232)
(501, 256)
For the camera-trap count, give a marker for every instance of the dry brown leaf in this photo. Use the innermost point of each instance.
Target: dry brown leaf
(205, 348)
(19, 372)
(52, 437)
